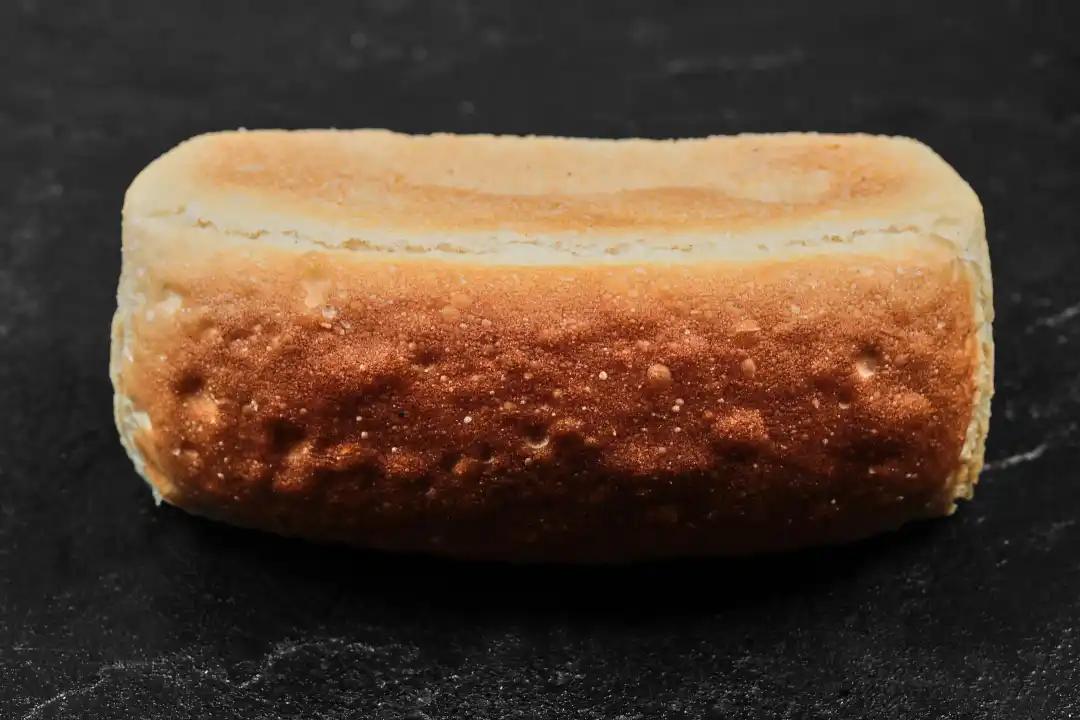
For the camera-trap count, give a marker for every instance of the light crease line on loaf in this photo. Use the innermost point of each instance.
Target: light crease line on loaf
(765, 246)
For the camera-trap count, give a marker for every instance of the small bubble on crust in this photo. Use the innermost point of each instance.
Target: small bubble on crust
(748, 367)
(747, 326)
(866, 365)
(659, 376)
(536, 436)
(747, 333)
(315, 293)
(203, 409)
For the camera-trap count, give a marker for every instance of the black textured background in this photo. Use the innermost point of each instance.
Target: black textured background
(110, 608)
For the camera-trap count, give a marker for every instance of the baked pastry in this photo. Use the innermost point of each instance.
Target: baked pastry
(551, 349)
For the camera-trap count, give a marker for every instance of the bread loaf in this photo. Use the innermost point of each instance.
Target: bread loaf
(550, 349)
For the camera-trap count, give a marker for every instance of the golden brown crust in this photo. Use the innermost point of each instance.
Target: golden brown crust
(581, 411)
(375, 182)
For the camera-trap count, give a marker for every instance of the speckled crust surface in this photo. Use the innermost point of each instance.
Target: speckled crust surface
(573, 410)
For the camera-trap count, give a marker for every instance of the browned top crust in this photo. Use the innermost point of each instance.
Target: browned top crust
(453, 185)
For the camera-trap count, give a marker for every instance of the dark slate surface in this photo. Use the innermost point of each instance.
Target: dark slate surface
(110, 608)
